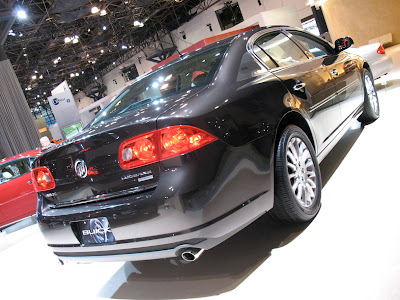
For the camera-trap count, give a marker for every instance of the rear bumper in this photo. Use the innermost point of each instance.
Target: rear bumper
(206, 237)
(382, 66)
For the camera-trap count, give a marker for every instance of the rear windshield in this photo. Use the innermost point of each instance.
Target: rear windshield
(186, 74)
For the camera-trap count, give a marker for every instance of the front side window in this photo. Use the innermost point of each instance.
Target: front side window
(317, 48)
(280, 49)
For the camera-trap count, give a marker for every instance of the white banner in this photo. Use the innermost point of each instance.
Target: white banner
(62, 87)
(64, 109)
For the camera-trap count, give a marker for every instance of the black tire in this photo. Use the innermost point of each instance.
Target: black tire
(287, 207)
(371, 103)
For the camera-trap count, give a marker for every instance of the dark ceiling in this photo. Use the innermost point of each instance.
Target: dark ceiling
(33, 45)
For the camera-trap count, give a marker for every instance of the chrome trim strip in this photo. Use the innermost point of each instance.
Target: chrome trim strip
(347, 87)
(104, 197)
(319, 104)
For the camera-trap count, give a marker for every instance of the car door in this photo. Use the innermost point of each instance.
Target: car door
(18, 198)
(307, 79)
(348, 83)
(342, 68)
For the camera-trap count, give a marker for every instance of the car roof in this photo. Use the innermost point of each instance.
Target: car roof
(31, 153)
(224, 41)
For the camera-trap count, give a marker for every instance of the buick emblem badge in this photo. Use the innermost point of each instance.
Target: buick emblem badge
(80, 168)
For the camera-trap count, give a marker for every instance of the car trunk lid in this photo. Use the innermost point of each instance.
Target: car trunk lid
(87, 168)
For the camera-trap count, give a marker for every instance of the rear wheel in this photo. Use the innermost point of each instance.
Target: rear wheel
(371, 103)
(297, 178)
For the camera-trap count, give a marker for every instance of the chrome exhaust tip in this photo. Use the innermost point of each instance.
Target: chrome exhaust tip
(191, 254)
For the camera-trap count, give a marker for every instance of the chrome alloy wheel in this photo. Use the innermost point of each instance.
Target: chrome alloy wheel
(371, 94)
(301, 172)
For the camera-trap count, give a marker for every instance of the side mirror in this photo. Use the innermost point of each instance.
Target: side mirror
(343, 43)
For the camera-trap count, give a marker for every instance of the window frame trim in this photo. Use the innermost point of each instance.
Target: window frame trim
(289, 34)
(252, 41)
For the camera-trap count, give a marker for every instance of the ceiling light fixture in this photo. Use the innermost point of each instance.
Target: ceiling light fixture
(316, 3)
(95, 10)
(21, 14)
(74, 39)
(103, 12)
(104, 27)
(138, 24)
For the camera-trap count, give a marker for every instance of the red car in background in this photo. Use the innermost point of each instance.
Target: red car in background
(17, 195)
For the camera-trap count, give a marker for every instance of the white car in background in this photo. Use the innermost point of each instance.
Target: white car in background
(375, 55)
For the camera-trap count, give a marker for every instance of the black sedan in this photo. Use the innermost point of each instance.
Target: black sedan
(196, 150)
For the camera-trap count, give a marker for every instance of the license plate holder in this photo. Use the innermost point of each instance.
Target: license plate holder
(96, 231)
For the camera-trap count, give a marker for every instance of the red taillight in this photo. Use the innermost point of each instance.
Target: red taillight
(139, 151)
(161, 144)
(42, 179)
(177, 140)
(381, 50)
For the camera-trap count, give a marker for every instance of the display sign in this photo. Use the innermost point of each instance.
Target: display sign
(62, 87)
(72, 130)
(64, 109)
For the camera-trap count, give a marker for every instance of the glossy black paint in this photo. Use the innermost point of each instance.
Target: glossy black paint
(202, 197)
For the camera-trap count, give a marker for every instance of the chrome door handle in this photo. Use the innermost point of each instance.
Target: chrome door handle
(29, 182)
(334, 72)
(300, 86)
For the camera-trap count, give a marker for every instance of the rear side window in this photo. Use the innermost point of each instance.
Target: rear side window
(316, 47)
(264, 57)
(279, 49)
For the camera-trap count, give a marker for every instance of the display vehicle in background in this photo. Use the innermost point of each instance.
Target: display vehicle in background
(196, 150)
(375, 54)
(17, 195)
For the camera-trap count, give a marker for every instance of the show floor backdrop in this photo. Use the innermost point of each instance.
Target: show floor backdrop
(17, 130)
(64, 110)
